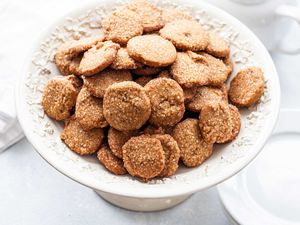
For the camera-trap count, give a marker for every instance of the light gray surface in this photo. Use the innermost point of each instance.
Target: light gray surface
(34, 193)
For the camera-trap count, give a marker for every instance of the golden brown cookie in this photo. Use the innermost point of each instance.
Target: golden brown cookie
(172, 154)
(219, 122)
(124, 61)
(217, 46)
(167, 101)
(143, 157)
(165, 74)
(122, 25)
(143, 80)
(207, 95)
(172, 14)
(74, 65)
(126, 106)
(186, 35)
(98, 58)
(147, 71)
(63, 62)
(98, 83)
(81, 141)
(191, 69)
(150, 14)
(111, 162)
(152, 50)
(59, 97)
(247, 87)
(116, 140)
(73, 48)
(194, 150)
(89, 111)
(229, 64)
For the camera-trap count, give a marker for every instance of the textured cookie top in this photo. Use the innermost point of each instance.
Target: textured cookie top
(124, 61)
(122, 25)
(247, 87)
(98, 83)
(194, 150)
(152, 50)
(98, 58)
(81, 141)
(217, 46)
(186, 35)
(167, 101)
(143, 157)
(126, 106)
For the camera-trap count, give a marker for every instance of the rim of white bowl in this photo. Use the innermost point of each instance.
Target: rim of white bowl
(167, 192)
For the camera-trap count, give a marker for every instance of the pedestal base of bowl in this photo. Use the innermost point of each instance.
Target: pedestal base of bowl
(142, 204)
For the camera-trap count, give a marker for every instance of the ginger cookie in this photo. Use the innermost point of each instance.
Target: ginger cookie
(152, 50)
(74, 65)
(150, 14)
(124, 61)
(217, 46)
(59, 97)
(89, 111)
(98, 83)
(122, 25)
(143, 80)
(186, 35)
(191, 69)
(147, 71)
(98, 58)
(110, 162)
(194, 150)
(81, 141)
(143, 157)
(126, 106)
(172, 14)
(207, 95)
(219, 122)
(116, 140)
(167, 101)
(172, 154)
(247, 87)
(165, 74)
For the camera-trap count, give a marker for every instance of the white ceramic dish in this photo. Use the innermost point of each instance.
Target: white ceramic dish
(43, 133)
(267, 191)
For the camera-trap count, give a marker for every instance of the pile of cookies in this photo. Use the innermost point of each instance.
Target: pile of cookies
(149, 92)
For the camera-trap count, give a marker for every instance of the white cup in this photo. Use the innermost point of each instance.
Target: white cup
(270, 20)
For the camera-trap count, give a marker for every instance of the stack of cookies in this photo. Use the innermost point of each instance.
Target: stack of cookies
(150, 92)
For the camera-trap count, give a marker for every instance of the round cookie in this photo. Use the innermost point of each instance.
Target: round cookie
(63, 61)
(143, 80)
(98, 83)
(147, 71)
(194, 150)
(126, 106)
(150, 14)
(122, 25)
(152, 50)
(116, 140)
(143, 157)
(186, 35)
(73, 48)
(74, 65)
(191, 69)
(219, 122)
(217, 46)
(207, 95)
(111, 162)
(98, 58)
(172, 14)
(172, 154)
(247, 87)
(81, 141)
(59, 97)
(89, 111)
(124, 61)
(167, 101)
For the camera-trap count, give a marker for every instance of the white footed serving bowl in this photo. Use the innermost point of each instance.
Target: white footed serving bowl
(125, 191)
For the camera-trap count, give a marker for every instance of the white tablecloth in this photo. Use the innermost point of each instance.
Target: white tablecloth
(33, 193)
